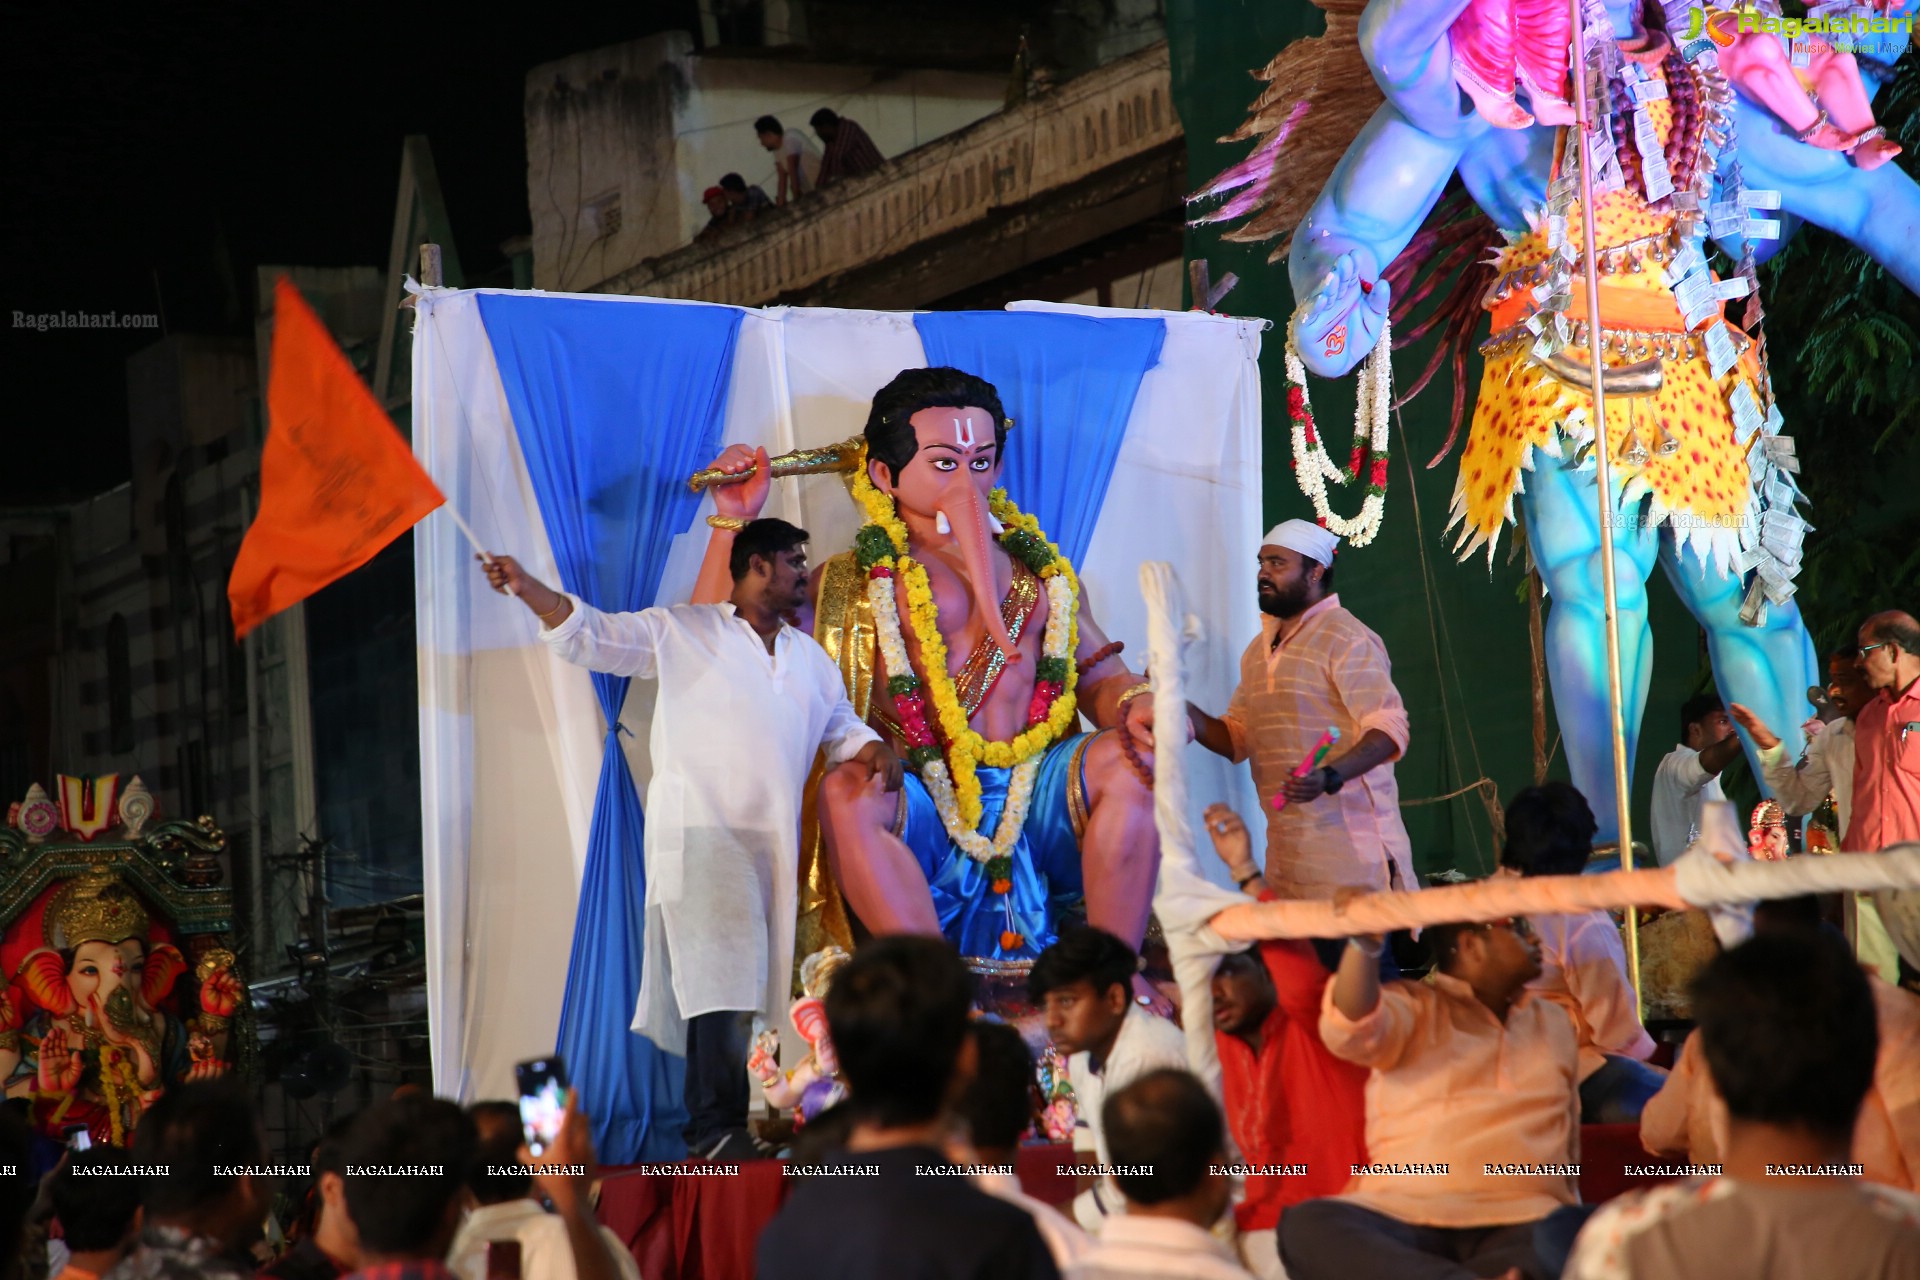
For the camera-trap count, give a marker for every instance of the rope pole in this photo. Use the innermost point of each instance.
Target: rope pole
(1603, 466)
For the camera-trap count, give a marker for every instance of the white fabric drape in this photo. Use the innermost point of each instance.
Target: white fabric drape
(510, 737)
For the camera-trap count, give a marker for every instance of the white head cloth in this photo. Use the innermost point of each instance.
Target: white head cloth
(1309, 539)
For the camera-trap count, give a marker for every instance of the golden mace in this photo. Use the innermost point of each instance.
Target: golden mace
(828, 460)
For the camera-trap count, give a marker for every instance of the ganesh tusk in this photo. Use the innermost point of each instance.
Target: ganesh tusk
(993, 523)
(941, 524)
(1642, 378)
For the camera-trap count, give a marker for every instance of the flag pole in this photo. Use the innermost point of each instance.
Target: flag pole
(472, 537)
(431, 277)
(1603, 469)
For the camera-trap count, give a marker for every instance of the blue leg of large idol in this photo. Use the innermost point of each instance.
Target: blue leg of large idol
(1563, 531)
(1766, 668)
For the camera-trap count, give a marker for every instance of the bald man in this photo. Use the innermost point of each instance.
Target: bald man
(1315, 666)
(1886, 757)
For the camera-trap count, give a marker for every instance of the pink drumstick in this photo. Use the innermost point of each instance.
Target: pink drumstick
(1315, 758)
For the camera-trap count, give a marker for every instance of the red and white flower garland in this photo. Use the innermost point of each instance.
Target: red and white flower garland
(1312, 467)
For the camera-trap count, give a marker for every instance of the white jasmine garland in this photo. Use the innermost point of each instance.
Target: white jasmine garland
(1312, 467)
(936, 774)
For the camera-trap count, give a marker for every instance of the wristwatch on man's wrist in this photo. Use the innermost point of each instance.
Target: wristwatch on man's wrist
(1331, 780)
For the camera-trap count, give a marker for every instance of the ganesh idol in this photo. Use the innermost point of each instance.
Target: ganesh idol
(966, 638)
(83, 1031)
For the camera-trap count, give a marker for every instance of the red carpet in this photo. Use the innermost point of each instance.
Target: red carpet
(705, 1228)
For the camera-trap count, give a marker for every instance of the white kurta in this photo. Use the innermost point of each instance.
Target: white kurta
(1829, 768)
(734, 734)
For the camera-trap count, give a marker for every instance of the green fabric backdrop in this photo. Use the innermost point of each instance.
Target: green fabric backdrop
(1456, 633)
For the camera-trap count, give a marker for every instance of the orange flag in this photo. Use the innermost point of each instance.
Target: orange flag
(337, 481)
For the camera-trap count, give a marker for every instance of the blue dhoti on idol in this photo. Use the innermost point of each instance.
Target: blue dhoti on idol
(1046, 859)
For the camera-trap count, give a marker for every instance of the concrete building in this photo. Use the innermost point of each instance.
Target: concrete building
(622, 141)
(124, 660)
(1073, 194)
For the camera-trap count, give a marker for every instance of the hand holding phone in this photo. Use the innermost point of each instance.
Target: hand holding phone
(543, 1100)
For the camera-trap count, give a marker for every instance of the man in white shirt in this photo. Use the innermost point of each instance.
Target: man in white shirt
(795, 161)
(505, 1208)
(1169, 1151)
(996, 1112)
(744, 703)
(1083, 984)
(1690, 774)
(1826, 768)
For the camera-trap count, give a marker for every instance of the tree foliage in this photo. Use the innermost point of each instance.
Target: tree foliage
(1843, 337)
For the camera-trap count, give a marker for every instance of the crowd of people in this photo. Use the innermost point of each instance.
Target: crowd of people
(414, 1188)
(846, 150)
(1405, 1107)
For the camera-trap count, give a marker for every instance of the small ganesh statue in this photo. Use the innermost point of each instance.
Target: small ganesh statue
(85, 1031)
(1767, 836)
(815, 1084)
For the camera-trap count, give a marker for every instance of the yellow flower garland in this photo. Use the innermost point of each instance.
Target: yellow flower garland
(966, 747)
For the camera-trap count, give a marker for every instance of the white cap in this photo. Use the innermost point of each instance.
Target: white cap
(1309, 539)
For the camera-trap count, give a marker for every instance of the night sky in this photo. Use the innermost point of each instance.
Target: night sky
(152, 155)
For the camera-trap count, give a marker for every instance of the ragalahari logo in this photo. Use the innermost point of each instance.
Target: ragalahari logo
(1719, 25)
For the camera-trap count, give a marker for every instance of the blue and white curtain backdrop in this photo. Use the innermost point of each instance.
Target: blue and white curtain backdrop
(563, 427)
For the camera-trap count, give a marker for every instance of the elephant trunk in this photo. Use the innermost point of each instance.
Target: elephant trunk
(972, 523)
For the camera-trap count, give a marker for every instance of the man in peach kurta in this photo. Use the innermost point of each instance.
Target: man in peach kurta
(1472, 1114)
(1315, 666)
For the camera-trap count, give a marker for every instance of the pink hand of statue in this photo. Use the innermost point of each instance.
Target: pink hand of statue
(762, 1063)
(60, 1065)
(1138, 716)
(221, 993)
(208, 1069)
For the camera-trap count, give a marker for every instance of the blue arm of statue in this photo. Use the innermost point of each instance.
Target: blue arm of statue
(1406, 47)
(1385, 185)
(1379, 194)
(1876, 209)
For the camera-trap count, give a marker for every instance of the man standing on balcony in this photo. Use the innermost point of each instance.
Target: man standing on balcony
(850, 152)
(795, 161)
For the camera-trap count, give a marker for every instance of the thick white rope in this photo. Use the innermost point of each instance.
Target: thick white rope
(1184, 899)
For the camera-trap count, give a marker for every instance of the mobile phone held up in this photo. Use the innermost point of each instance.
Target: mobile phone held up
(543, 1100)
(78, 1139)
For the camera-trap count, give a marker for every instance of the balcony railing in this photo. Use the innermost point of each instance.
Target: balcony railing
(1100, 120)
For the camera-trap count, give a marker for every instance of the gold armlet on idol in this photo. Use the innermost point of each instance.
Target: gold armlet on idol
(733, 524)
(213, 1023)
(1145, 686)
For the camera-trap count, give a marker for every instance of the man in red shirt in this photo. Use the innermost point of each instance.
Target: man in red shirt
(1886, 786)
(1297, 1113)
(1886, 744)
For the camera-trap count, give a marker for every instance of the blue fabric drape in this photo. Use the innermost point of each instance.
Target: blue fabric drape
(615, 404)
(1068, 382)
